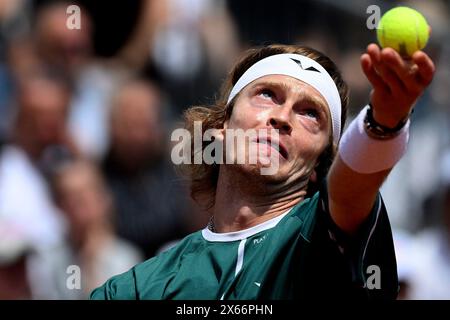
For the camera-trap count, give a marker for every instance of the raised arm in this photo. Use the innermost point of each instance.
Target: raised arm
(365, 160)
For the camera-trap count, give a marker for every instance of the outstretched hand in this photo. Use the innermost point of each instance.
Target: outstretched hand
(397, 83)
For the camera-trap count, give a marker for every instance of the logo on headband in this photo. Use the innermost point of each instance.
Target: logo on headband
(300, 65)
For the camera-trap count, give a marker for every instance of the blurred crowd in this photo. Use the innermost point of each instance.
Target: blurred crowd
(86, 178)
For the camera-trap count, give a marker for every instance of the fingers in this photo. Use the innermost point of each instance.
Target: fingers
(406, 71)
(371, 74)
(374, 51)
(386, 73)
(426, 67)
(369, 61)
(397, 64)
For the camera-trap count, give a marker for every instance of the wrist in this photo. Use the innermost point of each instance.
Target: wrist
(388, 122)
(380, 130)
(366, 153)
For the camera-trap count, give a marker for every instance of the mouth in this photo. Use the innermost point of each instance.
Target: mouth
(277, 145)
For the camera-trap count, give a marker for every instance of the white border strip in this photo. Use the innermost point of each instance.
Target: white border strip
(302, 68)
(373, 229)
(242, 234)
(240, 256)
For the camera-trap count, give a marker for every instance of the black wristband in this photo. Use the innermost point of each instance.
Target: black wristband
(378, 131)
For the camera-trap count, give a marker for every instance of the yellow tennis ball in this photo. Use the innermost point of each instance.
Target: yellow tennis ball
(403, 29)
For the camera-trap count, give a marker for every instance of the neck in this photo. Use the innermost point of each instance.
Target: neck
(244, 201)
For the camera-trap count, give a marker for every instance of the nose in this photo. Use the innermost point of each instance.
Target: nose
(280, 120)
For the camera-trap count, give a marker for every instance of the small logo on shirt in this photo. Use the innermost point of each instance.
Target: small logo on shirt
(258, 284)
(259, 240)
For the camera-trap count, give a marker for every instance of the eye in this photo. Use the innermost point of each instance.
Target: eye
(267, 94)
(311, 113)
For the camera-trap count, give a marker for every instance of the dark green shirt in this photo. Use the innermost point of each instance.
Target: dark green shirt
(300, 254)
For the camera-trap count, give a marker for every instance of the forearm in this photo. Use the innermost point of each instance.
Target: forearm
(364, 161)
(352, 194)
(363, 164)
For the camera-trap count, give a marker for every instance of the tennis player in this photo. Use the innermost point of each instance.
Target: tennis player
(317, 227)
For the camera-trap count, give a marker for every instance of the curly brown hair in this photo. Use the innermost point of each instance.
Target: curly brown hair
(203, 177)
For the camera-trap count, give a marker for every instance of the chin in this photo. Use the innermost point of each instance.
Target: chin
(254, 172)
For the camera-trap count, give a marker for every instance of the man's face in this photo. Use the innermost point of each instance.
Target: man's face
(136, 123)
(82, 196)
(44, 108)
(300, 114)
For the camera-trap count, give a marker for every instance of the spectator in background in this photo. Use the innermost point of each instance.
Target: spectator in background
(71, 51)
(186, 49)
(14, 252)
(67, 49)
(13, 280)
(91, 243)
(13, 21)
(39, 139)
(431, 249)
(150, 201)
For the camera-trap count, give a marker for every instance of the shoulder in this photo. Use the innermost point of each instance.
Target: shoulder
(142, 277)
(302, 217)
(120, 287)
(167, 261)
(371, 245)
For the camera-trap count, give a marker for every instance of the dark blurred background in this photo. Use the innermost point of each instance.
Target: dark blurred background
(86, 116)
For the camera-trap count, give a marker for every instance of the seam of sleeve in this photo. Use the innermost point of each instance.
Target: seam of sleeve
(373, 228)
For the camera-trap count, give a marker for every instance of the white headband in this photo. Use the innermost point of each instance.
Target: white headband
(301, 68)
